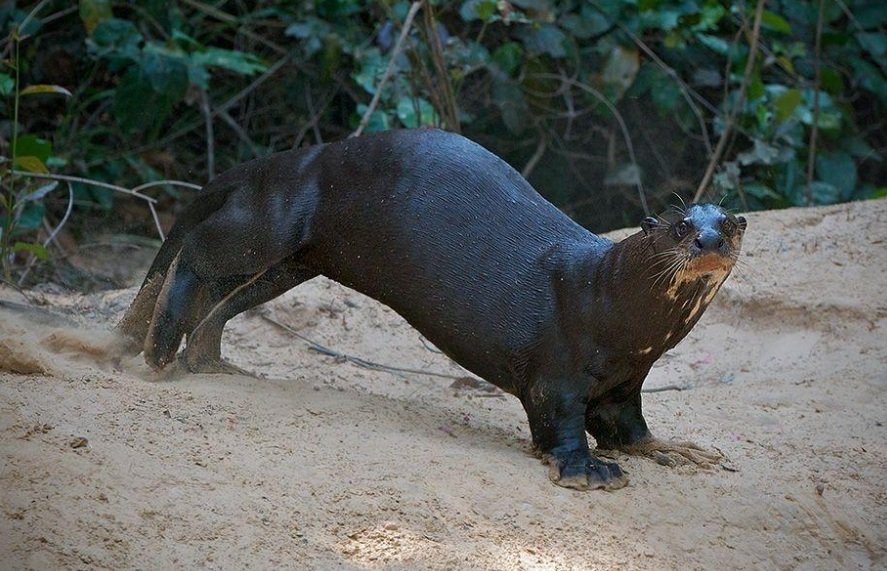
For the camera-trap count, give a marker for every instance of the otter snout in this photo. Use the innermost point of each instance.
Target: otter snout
(709, 240)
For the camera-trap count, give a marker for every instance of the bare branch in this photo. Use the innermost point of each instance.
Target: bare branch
(814, 129)
(740, 101)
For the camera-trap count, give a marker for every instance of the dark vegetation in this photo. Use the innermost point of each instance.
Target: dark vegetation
(603, 104)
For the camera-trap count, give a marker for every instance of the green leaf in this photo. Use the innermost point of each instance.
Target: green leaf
(508, 57)
(775, 22)
(117, 40)
(628, 174)
(507, 95)
(236, 61)
(406, 112)
(7, 84)
(870, 77)
(32, 145)
(41, 88)
(166, 72)
(482, 10)
(137, 106)
(546, 39)
(38, 250)
(30, 164)
(832, 81)
(874, 43)
(760, 191)
(786, 104)
(30, 217)
(755, 86)
(765, 154)
(379, 121)
(718, 45)
(93, 12)
(368, 69)
(839, 170)
(620, 70)
(589, 22)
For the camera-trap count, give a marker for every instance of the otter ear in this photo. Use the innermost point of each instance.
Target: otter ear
(648, 224)
(742, 222)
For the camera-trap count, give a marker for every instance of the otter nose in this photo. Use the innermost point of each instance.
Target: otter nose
(709, 241)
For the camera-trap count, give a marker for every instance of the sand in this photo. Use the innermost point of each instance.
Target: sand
(323, 464)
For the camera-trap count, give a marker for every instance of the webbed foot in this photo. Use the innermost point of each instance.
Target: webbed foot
(583, 471)
(674, 453)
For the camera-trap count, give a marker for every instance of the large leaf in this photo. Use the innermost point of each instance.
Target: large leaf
(620, 70)
(117, 40)
(42, 88)
(838, 170)
(30, 164)
(94, 12)
(545, 39)
(407, 112)
(775, 22)
(508, 57)
(138, 106)
(236, 61)
(482, 10)
(32, 145)
(166, 71)
(507, 95)
(379, 120)
(7, 84)
(26, 223)
(786, 103)
(587, 23)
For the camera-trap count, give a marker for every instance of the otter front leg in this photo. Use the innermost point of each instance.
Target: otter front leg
(203, 350)
(621, 426)
(171, 313)
(556, 417)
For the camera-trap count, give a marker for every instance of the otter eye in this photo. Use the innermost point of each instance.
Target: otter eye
(728, 227)
(682, 228)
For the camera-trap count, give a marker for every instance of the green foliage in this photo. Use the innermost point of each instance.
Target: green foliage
(142, 78)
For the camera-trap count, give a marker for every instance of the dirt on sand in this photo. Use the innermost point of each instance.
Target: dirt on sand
(324, 464)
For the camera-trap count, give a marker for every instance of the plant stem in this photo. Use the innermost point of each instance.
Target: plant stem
(814, 129)
(10, 197)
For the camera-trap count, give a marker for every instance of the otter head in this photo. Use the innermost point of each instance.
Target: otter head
(703, 243)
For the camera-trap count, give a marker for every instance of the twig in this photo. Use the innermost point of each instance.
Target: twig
(814, 129)
(240, 132)
(740, 101)
(33, 259)
(315, 115)
(82, 180)
(210, 138)
(360, 362)
(537, 155)
(451, 114)
(625, 135)
(170, 182)
(687, 92)
(408, 22)
(663, 389)
(223, 107)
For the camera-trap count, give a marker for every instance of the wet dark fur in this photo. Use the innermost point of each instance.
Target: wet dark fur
(459, 244)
